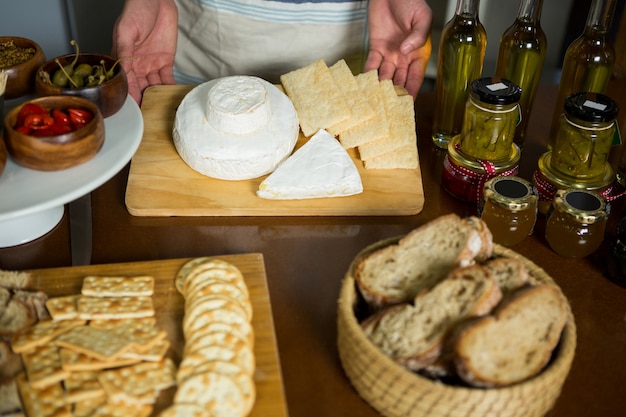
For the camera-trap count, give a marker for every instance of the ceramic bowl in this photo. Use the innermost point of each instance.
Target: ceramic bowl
(21, 77)
(57, 152)
(108, 96)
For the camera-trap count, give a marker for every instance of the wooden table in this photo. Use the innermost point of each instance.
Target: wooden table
(306, 258)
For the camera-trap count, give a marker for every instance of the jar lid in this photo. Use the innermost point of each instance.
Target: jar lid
(459, 158)
(510, 192)
(591, 107)
(495, 90)
(583, 205)
(561, 181)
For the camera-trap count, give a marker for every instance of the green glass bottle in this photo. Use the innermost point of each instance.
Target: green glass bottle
(588, 61)
(460, 61)
(521, 56)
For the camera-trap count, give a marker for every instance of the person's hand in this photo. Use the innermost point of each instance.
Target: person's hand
(144, 37)
(400, 41)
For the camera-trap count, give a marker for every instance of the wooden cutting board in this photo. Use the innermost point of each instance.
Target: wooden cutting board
(161, 184)
(169, 305)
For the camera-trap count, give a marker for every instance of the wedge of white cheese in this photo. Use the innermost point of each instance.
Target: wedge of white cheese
(318, 169)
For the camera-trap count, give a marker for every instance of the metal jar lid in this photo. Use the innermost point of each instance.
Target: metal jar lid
(584, 206)
(495, 90)
(591, 107)
(510, 192)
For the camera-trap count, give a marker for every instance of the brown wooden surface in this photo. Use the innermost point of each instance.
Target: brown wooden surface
(169, 306)
(306, 258)
(161, 184)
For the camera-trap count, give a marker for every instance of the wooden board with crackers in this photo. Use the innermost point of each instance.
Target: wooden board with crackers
(373, 120)
(159, 338)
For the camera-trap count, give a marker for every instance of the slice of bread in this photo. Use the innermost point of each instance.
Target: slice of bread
(510, 273)
(15, 279)
(16, 317)
(422, 258)
(413, 334)
(515, 342)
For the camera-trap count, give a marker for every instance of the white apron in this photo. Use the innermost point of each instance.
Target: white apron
(217, 38)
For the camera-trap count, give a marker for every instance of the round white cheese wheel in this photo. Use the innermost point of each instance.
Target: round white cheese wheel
(238, 105)
(209, 141)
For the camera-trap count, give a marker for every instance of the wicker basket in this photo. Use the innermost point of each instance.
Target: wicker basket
(394, 391)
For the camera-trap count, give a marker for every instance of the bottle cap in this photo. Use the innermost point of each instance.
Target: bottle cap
(591, 107)
(495, 90)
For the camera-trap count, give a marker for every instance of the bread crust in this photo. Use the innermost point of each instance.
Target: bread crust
(413, 334)
(518, 338)
(397, 273)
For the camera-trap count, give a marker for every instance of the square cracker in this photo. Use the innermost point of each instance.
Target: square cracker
(41, 333)
(43, 366)
(374, 128)
(81, 386)
(114, 307)
(357, 101)
(100, 344)
(63, 308)
(75, 361)
(118, 286)
(316, 97)
(401, 117)
(45, 402)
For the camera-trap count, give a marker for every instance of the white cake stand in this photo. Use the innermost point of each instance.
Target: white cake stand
(32, 202)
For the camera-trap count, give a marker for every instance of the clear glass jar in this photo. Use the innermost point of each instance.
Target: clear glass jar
(491, 115)
(465, 177)
(583, 143)
(576, 222)
(509, 207)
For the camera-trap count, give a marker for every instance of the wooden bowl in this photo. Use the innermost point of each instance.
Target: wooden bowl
(53, 153)
(394, 391)
(108, 96)
(21, 77)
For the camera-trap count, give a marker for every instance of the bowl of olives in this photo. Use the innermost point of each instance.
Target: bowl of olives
(96, 77)
(19, 59)
(54, 133)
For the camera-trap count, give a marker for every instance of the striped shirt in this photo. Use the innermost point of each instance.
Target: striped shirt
(217, 38)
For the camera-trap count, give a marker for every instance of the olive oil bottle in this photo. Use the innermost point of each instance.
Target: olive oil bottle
(521, 56)
(460, 61)
(588, 61)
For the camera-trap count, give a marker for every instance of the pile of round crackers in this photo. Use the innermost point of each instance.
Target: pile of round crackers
(215, 376)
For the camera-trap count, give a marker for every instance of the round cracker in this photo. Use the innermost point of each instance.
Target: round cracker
(244, 380)
(218, 393)
(212, 308)
(243, 331)
(184, 410)
(210, 300)
(212, 268)
(240, 353)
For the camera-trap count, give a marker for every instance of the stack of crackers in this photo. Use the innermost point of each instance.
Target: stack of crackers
(100, 355)
(215, 376)
(372, 116)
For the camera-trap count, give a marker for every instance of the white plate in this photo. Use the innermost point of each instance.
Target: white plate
(31, 201)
